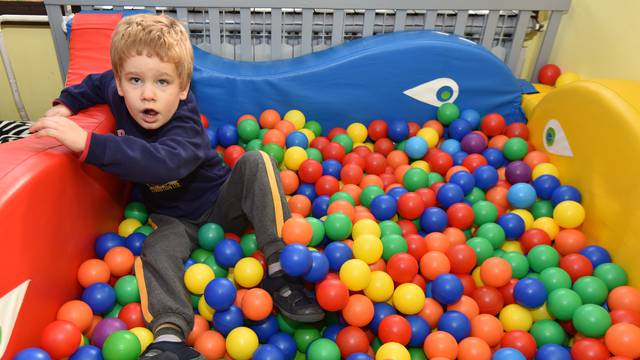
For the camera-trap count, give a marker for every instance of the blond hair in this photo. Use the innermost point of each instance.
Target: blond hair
(153, 35)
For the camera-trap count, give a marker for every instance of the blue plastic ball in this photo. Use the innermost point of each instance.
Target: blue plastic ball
(596, 254)
(455, 323)
(545, 185)
(213, 137)
(383, 207)
(308, 190)
(521, 195)
(219, 294)
(106, 241)
(449, 194)
(227, 253)
(494, 157)
(553, 352)
(320, 206)
(32, 354)
(458, 158)
(297, 138)
(337, 253)
(508, 354)
(398, 130)
(465, 180)
(530, 292)
(100, 297)
(380, 311)
(331, 331)
(419, 330)
(565, 192)
(416, 147)
(512, 224)
(285, 343)
(359, 356)
(87, 352)
(451, 146)
(265, 328)
(459, 128)
(447, 289)
(486, 177)
(319, 267)
(433, 219)
(227, 320)
(472, 116)
(331, 167)
(227, 135)
(295, 259)
(396, 192)
(268, 352)
(188, 263)
(134, 242)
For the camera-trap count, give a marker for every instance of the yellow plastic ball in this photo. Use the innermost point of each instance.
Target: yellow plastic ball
(541, 313)
(408, 298)
(526, 216)
(355, 274)
(515, 317)
(205, 310)
(248, 272)
(567, 78)
(367, 248)
(392, 351)
(475, 275)
(365, 226)
(144, 335)
(380, 288)
(241, 343)
(569, 214)
(293, 157)
(547, 225)
(545, 169)
(296, 117)
(128, 226)
(197, 277)
(429, 135)
(309, 134)
(357, 132)
(369, 145)
(512, 245)
(421, 164)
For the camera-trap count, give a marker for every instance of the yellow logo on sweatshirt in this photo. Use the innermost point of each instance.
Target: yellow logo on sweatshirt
(164, 187)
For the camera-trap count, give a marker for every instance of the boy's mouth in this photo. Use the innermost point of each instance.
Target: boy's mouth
(149, 115)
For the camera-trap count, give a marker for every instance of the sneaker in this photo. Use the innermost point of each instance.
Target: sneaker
(169, 350)
(292, 299)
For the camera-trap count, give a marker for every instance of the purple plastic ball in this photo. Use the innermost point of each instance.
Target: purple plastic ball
(517, 172)
(473, 143)
(104, 328)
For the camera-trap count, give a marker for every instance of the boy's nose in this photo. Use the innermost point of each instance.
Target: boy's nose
(148, 93)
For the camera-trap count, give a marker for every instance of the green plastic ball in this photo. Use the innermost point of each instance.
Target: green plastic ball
(314, 154)
(612, 274)
(317, 227)
(388, 227)
(337, 226)
(345, 141)
(200, 255)
(323, 349)
(314, 126)
(482, 247)
(375, 344)
(341, 195)
(515, 148)
(218, 270)
(484, 212)
(144, 229)
(262, 132)
(475, 195)
(287, 325)
(447, 113)
(542, 257)
(393, 244)
(548, 332)
(417, 354)
(519, 264)
(249, 244)
(492, 232)
(136, 210)
(434, 178)
(114, 312)
(542, 208)
(591, 290)
(248, 130)
(591, 320)
(401, 145)
(121, 345)
(209, 235)
(414, 179)
(369, 193)
(254, 145)
(304, 336)
(126, 289)
(562, 303)
(275, 151)
(555, 278)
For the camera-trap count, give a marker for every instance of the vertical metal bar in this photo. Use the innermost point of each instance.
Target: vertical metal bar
(182, 15)
(461, 22)
(369, 17)
(337, 28)
(214, 31)
(401, 17)
(307, 24)
(430, 19)
(489, 31)
(245, 34)
(517, 40)
(547, 43)
(60, 41)
(276, 33)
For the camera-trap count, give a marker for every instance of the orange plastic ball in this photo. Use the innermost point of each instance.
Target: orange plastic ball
(93, 271)
(274, 136)
(624, 298)
(623, 339)
(495, 272)
(498, 196)
(354, 191)
(239, 296)
(440, 343)
(431, 312)
(473, 348)
(120, 260)
(200, 326)
(498, 142)
(467, 306)
(359, 310)
(371, 179)
(342, 206)
(211, 344)
(434, 263)
(285, 126)
(397, 158)
(535, 157)
(437, 241)
(399, 172)
(269, 118)
(245, 117)
(300, 204)
(297, 231)
(257, 304)
(570, 241)
(488, 328)
(76, 312)
(289, 181)
(455, 236)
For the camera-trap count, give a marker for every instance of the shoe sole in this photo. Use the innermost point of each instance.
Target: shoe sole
(303, 318)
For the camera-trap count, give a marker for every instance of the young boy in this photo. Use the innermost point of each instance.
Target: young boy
(162, 148)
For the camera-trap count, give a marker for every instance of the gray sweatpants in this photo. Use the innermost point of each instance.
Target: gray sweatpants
(252, 194)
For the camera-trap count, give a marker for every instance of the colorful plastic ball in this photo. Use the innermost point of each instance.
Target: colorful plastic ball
(548, 74)
(380, 311)
(494, 157)
(508, 354)
(107, 241)
(495, 272)
(521, 341)
(227, 253)
(472, 116)
(323, 349)
(449, 194)
(319, 267)
(92, 271)
(196, 278)
(576, 265)
(268, 352)
(134, 242)
(416, 147)
(358, 311)
(456, 324)
(521, 195)
(408, 298)
(462, 258)
(623, 340)
(383, 207)
(85, 352)
(591, 320)
(613, 275)
(357, 132)
(76, 312)
(395, 328)
(459, 128)
(294, 157)
(100, 297)
(392, 351)
(377, 129)
(337, 253)
(473, 143)
(220, 293)
(241, 343)
(447, 289)
(227, 135)
(493, 124)
(548, 332)
(553, 352)
(517, 172)
(104, 328)
(440, 344)
(121, 344)
(591, 289)
(530, 293)
(297, 138)
(562, 303)
(569, 214)
(352, 340)
(295, 260)
(596, 254)
(515, 148)
(265, 328)
(274, 150)
(450, 146)
(482, 247)
(227, 320)
(545, 185)
(256, 304)
(285, 343)
(564, 193)
(398, 130)
(512, 224)
(59, 339)
(447, 113)
(515, 317)
(488, 328)
(433, 219)
(542, 257)
(356, 274)
(338, 226)
(332, 294)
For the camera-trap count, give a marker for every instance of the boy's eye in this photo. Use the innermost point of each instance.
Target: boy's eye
(163, 82)
(135, 80)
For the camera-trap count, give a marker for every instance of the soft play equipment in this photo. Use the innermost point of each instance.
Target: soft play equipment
(52, 207)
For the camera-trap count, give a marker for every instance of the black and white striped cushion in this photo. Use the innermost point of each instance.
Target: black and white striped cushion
(13, 130)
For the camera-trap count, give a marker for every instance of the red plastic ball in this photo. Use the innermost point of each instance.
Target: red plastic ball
(416, 245)
(395, 328)
(576, 265)
(625, 316)
(333, 151)
(507, 292)
(414, 127)
(410, 205)
(61, 339)
(521, 341)
(439, 161)
(428, 196)
(474, 161)
(131, 315)
(310, 171)
(460, 215)
(402, 267)
(468, 284)
(332, 294)
(532, 238)
(351, 174)
(319, 143)
(462, 258)
(327, 185)
(351, 340)
(493, 124)
(589, 349)
(362, 150)
(517, 129)
(489, 300)
(354, 158)
(383, 146)
(407, 227)
(375, 163)
(548, 74)
(232, 154)
(336, 131)
(377, 129)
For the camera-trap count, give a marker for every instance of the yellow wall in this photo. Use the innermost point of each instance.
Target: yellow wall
(34, 63)
(598, 39)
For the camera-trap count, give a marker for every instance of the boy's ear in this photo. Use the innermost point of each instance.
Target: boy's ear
(185, 92)
(118, 86)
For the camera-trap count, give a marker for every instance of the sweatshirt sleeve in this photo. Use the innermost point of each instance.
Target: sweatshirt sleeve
(91, 91)
(173, 157)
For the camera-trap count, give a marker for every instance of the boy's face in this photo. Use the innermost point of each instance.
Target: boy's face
(151, 90)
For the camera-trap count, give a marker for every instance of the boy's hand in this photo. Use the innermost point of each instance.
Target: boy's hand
(64, 130)
(58, 110)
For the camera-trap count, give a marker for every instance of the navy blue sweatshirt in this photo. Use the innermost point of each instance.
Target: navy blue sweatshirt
(177, 171)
